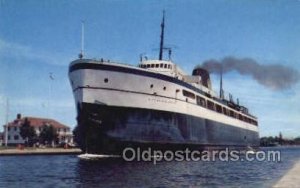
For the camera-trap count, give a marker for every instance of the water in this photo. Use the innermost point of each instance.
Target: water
(69, 171)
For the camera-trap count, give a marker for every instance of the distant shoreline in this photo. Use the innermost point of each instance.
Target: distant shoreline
(39, 151)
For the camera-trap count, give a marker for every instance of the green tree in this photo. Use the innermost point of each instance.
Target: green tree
(28, 133)
(297, 140)
(48, 134)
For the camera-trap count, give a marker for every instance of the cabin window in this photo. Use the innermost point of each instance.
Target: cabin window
(249, 120)
(255, 122)
(201, 101)
(15, 128)
(8, 128)
(8, 137)
(244, 118)
(231, 113)
(152, 65)
(210, 105)
(166, 66)
(240, 117)
(16, 137)
(224, 111)
(218, 108)
(157, 66)
(106, 80)
(169, 66)
(188, 94)
(161, 65)
(148, 65)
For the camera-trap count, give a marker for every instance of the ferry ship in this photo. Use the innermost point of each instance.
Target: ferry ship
(155, 104)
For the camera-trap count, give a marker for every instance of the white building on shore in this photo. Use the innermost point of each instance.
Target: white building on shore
(1, 138)
(13, 130)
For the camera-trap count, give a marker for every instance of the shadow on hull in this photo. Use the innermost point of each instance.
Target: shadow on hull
(109, 130)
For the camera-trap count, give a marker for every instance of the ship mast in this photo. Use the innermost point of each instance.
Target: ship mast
(82, 40)
(6, 122)
(161, 46)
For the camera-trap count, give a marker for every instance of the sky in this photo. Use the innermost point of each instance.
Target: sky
(41, 37)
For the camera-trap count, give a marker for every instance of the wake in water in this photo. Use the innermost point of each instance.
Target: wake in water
(88, 156)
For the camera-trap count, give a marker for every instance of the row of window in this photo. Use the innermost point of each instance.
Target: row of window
(16, 137)
(218, 108)
(12, 128)
(40, 129)
(161, 65)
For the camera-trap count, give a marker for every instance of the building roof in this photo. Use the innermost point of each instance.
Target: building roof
(36, 122)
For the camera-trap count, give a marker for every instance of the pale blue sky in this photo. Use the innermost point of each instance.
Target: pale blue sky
(39, 36)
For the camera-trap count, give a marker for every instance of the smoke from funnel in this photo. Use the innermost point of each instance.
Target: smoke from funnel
(276, 77)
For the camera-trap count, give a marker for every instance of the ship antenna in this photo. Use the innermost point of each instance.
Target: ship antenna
(161, 46)
(221, 83)
(6, 127)
(82, 40)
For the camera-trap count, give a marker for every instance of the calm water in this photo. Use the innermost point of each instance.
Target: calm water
(69, 171)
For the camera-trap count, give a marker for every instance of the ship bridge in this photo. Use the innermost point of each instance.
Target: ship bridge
(164, 67)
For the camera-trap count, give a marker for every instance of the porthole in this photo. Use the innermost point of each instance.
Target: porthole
(165, 88)
(106, 80)
(151, 86)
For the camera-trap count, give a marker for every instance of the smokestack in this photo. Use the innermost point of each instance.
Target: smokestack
(275, 76)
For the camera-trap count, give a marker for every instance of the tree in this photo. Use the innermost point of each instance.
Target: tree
(27, 132)
(48, 134)
(297, 140)
(280, 139)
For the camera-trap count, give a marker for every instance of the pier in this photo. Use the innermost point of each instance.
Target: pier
(291, 178)
(39, 151)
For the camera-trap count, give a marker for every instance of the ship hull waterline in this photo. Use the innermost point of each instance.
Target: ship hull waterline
(105, 129)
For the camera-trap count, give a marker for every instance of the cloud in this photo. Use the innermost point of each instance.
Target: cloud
(23, 52)
(42, 102)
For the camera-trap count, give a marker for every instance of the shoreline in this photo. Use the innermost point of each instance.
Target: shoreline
(39, 151)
